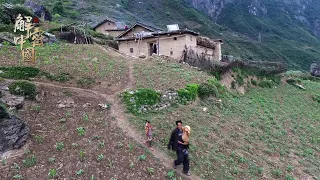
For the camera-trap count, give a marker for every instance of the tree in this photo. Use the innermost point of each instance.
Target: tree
(58, 8)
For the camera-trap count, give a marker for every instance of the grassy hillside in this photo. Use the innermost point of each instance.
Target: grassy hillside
(283, 38)
(266, 133)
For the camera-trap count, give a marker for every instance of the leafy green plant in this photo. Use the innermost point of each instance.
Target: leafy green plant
(110, 164)
(3, 162)
(52, 159)
(81, 131)
(131, 147)
(207, 90)
(80, 172)
(38, 139)
(288, 177)
(36, 108)
(289, 168)
(23, 88)
(59, 146)
(75, 144)
(85, 117)
(150, 171)
(277, 173)
(62, 120)
(15, 166)
(101, 144)
(82, 154)
(171, 174)
(189, 93)
(119, 145)
(134, 100)
(29, 162)
(142, 157)
(18, 176)
(131, 166)
(100, 157)
(96, 137)
(52, 173)
(242, 160)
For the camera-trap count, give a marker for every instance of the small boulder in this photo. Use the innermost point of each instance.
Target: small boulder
(142, 56)
(315, 70)
(49, 38)
(13, 101)
(13, 132)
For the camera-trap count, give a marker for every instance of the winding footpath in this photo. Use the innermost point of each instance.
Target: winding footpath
(117, 111)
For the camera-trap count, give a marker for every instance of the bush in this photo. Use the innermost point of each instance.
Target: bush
(19, 72)
(265, 84)
(23, 88)
(316, 98)
(240, 80)
(207, 90)
(216, 83)
(145, 96)
(58, 8)
(6, 28)
(189, 93)
(254, 82)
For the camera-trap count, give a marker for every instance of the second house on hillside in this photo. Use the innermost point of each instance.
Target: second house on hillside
(145, 40)
(110, 27)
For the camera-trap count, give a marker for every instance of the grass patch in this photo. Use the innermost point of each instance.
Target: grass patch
(19, 72)
(135, 99)
(23, 88)
(85, 82)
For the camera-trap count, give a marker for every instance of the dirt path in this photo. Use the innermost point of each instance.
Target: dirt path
(117, 111)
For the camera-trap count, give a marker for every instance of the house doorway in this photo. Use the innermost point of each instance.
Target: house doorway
(153, 48)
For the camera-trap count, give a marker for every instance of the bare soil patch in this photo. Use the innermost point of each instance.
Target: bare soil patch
(53, 125)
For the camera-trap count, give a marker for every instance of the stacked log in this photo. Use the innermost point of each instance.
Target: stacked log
(206, 42)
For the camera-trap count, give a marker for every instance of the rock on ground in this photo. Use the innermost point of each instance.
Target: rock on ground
(13, 132)
(315, 70)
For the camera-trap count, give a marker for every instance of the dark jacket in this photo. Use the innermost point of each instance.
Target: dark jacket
(173, 142)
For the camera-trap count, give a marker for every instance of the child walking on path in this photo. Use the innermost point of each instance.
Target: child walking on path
(148, 130)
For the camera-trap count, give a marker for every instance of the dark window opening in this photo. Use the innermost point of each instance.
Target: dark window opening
(131, 50)
(175, 38)
(171, 53)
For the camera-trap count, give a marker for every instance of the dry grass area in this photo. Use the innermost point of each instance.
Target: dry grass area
(161, 75)
(76, 65)
(263, 134)
(78, 142)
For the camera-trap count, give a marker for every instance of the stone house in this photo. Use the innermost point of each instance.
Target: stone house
(141, 39)
(110, 27)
